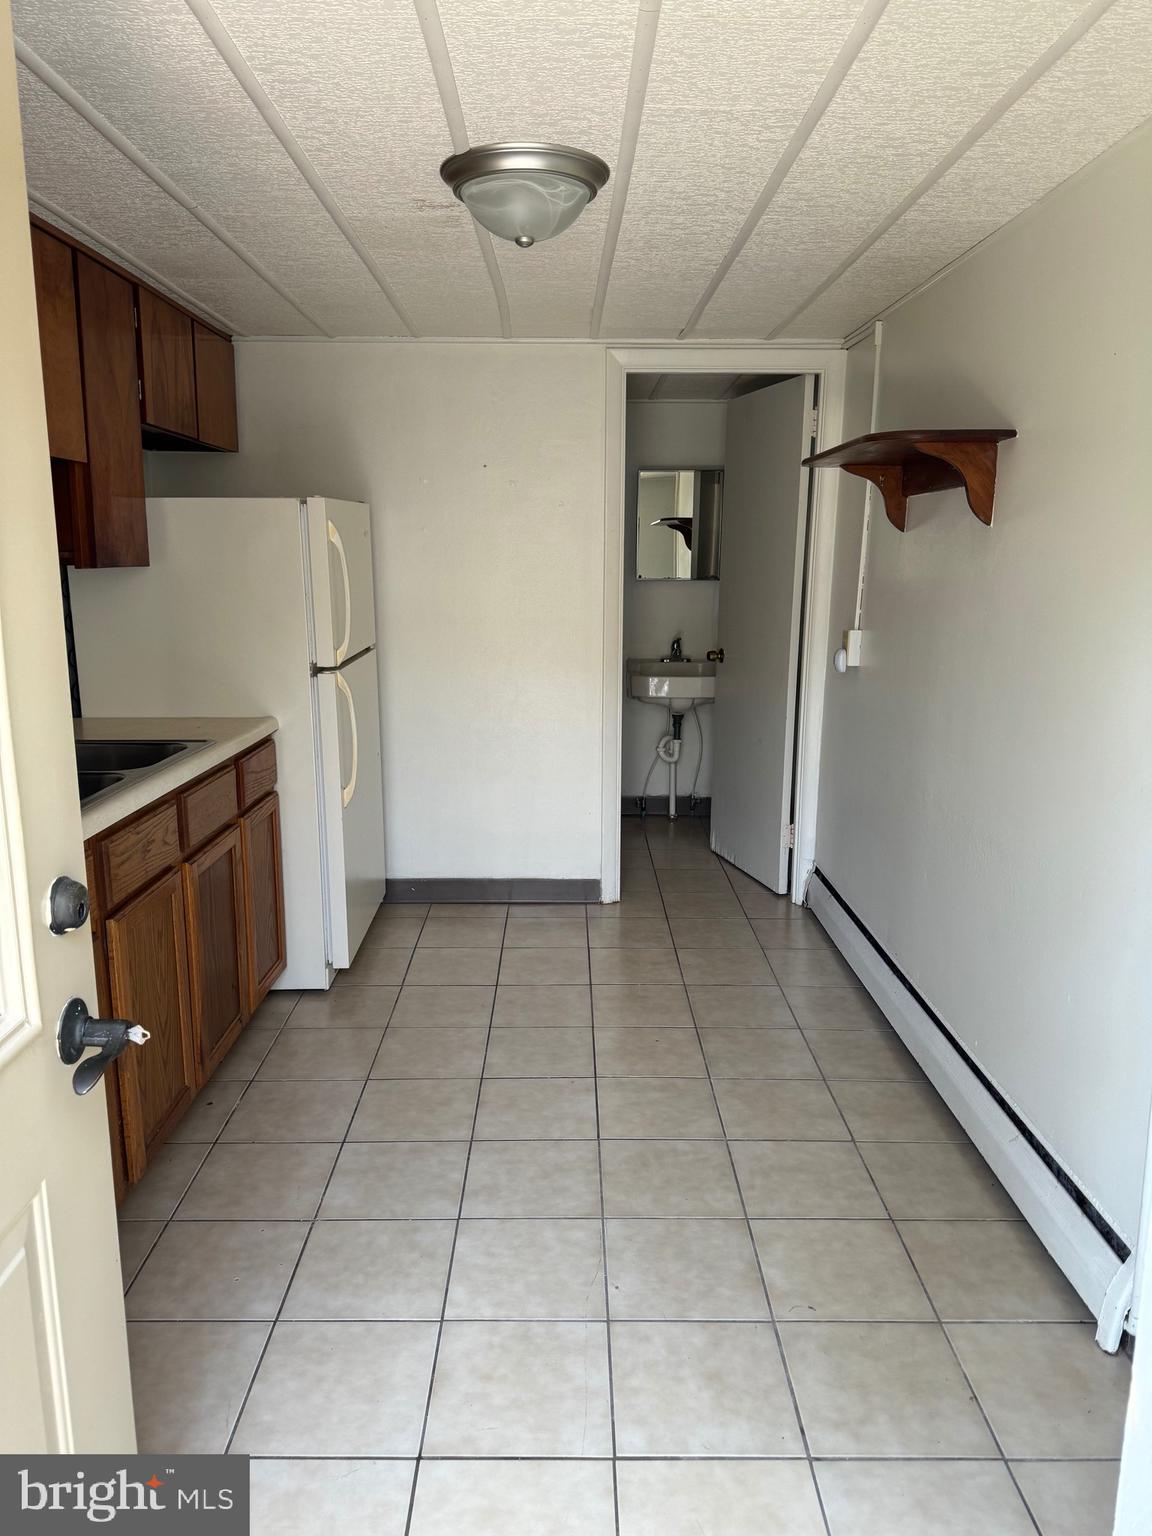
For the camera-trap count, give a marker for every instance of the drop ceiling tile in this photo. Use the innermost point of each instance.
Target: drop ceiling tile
(1100, 91)
(353, 82)
(902, 107)
(77, 169)
(730, 81)
(151, 70)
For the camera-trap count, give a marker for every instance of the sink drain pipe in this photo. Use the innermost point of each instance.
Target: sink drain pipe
(668, 749)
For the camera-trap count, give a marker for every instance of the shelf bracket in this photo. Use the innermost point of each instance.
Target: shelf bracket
(889, 481)
(975, 463)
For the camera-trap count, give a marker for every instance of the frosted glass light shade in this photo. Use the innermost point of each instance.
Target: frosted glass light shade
(525, 192)
(525, 206)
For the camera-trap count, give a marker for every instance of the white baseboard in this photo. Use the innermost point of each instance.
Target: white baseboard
(1074, 1243)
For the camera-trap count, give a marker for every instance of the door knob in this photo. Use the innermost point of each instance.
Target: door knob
(716, 655)
(68, 904)
(78, 1030)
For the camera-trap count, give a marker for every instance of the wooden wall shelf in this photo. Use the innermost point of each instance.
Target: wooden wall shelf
(912, 463)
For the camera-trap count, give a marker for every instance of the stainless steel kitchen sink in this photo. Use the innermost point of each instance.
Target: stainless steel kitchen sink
(103, 766)
(93, 784)
(127, 756)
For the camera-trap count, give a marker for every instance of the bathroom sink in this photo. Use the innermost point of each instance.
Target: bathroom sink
(675, 685)
(127, 756)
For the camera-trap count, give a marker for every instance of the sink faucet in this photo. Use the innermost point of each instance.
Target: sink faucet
(676, 652)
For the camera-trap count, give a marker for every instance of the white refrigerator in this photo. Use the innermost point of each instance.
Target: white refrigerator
(255, 606)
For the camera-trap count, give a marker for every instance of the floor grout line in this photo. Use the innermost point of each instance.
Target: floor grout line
(452, 1252)
(975, 1398)
(311, 1221)
(604, 1254)
(786, 1369)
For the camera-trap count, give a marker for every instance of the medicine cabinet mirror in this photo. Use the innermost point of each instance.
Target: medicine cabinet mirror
(678, 524)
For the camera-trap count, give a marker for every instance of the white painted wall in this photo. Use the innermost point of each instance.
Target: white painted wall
(484, 468)
(667, 434)
(984, 798)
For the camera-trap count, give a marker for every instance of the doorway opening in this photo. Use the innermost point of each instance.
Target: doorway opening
(717, 547)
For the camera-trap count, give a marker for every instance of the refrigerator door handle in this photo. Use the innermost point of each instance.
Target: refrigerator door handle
(349, 789)
(338, 543)
(318, 671)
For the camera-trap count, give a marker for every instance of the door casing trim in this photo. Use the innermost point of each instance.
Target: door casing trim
(828, 363)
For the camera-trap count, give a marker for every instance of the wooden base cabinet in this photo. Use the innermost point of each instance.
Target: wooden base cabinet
(148, 972)
(217, 951)
(187, 902)
(263, 897)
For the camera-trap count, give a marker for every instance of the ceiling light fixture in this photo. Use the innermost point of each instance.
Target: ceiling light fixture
(525, 192)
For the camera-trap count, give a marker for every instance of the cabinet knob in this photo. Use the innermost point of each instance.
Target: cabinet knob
(78, 1030)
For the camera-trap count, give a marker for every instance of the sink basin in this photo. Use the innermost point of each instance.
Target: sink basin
(127, 756)
(92, 784)
(102, 766)
(675, 685)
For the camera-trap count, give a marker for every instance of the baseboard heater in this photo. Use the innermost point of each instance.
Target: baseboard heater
(1092, 1255)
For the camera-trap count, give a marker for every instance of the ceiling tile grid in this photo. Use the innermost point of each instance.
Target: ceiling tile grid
(730, 84)
(903, 106)
(553, 71)
(154, 74)
(353, 81)
(1099, 92)
(730, 81)
(78, 170)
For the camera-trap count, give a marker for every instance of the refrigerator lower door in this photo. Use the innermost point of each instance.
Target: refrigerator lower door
(348, 708)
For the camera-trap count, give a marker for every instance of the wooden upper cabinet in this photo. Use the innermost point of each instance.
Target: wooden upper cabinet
(167, 366)
(215, 389)
(110, 524)
(148, 969)
(59, 347)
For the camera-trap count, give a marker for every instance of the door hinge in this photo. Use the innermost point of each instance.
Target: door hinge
(814, 421)
(790, 835)
(135, 318)
(139, 389)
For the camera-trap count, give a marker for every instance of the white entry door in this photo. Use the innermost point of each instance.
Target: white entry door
(63, 1358)
(761, 581)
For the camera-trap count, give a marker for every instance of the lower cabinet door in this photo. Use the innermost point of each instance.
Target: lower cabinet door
(148, 973)
(263, 897)
(217, 952)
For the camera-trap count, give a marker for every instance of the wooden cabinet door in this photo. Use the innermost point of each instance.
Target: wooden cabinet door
(263, 897)
(148, 973)
(215, 389)
(111, 525)
(167, 368)
(59, 346)
(217, 948)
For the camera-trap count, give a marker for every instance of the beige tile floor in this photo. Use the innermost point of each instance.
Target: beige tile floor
(635, 1220)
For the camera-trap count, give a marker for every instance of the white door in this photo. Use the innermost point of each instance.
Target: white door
(348, 715)
(64, 1371)
(761, 581)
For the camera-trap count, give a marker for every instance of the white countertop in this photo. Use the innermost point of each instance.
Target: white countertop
(225, 738)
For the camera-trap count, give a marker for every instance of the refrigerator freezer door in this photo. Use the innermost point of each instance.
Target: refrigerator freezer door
(340, 554)
(352, 782)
